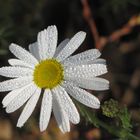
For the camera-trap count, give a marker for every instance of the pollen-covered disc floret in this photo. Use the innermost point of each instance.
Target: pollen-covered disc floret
(48, 74)
(50, 70)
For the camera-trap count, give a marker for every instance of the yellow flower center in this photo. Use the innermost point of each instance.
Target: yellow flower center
(48, 74)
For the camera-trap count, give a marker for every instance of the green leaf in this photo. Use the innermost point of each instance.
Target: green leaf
(125, 118)
(88, 115)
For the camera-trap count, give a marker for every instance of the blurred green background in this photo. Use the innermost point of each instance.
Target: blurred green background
(21, 20)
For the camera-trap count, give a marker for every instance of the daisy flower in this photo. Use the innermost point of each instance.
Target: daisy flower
(51, 71)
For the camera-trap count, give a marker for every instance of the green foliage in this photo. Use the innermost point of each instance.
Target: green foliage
(110, 108)
(125, 118)
(123, 131)
(19, 22)
(88, 115)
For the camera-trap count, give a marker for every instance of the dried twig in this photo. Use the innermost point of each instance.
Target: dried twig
(101, 41)
(88, 17)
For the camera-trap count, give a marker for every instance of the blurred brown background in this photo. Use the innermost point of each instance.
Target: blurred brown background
(113, 26)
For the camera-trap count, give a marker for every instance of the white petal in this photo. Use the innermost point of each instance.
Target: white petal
(29, 108)
(47, 41)
(83, 58)
(85, 71)
(72, 46)
(98, 61)
(33, 48)
(82, 96)
(11, 95)
(15, 72)
(17, 62)
(23, 54)
(22, 97)
(59, 113)
(69, 106)
(93, 83)
(61, 46)
(15, 83)
(46, 109)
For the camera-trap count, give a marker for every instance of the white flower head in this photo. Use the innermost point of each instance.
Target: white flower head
(54, 73)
